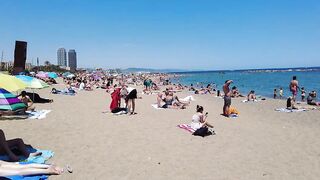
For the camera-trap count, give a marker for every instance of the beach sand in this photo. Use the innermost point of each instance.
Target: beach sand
(260, 144)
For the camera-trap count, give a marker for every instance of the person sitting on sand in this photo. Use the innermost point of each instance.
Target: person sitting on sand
(13, 169)
(311, 99)
(7, 147)
(251, 96)
(27, 101)
(235, 92)
(199, 119)
(199, 123)
(191, 88)
(36, 97)
(170, 101)
(116, 102)
(290, 103)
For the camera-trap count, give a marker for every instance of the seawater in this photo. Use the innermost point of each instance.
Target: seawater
(263, 83)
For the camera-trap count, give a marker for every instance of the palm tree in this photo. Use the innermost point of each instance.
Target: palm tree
(47, 63)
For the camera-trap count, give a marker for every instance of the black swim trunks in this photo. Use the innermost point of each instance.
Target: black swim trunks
(227, 101)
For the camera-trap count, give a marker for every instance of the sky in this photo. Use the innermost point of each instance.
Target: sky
(175, 34)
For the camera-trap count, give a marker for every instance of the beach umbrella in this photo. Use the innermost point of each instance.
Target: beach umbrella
(70, 76)
(42, 75)
(52, 75)
(66, 74)
(11, 83)
(9, 102)
(32, 83)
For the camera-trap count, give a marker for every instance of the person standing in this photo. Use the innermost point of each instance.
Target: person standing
(130, 95)
(303, 94)
(227, 98)
(294, 86)
(280, 93)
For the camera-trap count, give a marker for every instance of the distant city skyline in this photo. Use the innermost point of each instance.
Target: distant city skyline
(189, 35)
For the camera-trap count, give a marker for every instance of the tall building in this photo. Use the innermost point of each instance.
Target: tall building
(72, 57)
(62, 57)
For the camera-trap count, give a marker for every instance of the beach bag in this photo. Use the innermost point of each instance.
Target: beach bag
(203, 131)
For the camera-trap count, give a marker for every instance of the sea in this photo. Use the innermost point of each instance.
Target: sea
(263, 83)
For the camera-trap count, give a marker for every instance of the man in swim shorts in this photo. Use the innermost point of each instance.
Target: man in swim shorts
(294, 86)
(227, 98)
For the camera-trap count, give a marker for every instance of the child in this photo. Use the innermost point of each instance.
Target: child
(303, 94)
(275, 94)
(281, 93)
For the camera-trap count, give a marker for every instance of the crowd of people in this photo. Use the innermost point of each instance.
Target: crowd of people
(123, 93)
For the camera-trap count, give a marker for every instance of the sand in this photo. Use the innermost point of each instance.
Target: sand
(260, 144)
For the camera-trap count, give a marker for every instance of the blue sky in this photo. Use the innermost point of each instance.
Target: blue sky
(185, 34)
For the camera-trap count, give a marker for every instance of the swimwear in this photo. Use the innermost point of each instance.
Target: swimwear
(227, 101)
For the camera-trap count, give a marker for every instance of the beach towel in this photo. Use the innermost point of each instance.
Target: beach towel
(46, 154)
(289, 110)
(39, 114)
(41, 177)
(186, 127)
(233, 116)
(156, 106)
(188, 98)
(246, 100)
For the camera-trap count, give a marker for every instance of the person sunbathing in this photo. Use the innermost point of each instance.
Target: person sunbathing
(27, 101)
(7, 147)
(13, 169)
(170, 101)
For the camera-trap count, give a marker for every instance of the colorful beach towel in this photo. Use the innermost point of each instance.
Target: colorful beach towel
(186, 127)
(289, 110)
(39, 114)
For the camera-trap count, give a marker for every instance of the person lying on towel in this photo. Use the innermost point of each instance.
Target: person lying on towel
(12, 146)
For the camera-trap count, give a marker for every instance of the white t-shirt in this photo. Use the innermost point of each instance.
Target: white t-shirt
(196, 124)
(129, 89)
(81, 87)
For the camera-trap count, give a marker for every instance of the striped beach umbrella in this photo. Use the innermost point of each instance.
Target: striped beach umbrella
(9, 102)
(11, 83)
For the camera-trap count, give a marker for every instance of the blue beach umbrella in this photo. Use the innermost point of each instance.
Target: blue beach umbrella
(32, 82)
(66, 74)
(9, 102)
(52, 75)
